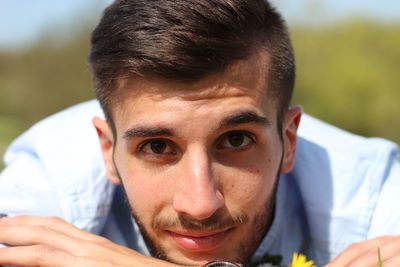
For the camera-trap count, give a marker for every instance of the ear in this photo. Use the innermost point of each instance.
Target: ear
(290, 125)
(106, 139)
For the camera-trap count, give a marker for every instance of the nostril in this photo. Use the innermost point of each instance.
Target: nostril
(198, 206)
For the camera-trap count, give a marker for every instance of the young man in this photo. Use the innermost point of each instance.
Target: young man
(199, 138)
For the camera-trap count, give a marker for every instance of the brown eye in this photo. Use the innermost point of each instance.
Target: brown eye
(235, 140)
(157, 147)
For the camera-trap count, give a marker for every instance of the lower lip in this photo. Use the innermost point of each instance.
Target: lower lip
(201, 243)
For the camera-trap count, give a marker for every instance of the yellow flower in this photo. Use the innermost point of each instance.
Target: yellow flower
(299, 260)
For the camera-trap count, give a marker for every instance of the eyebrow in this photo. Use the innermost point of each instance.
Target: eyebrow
(141, 132)
(244, 117)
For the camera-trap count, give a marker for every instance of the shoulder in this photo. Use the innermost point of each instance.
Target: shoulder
(68, 134)
(60, 155)
(327, 153)
(340, 177)
(340, 156)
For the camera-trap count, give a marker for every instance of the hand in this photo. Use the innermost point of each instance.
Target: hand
(365, 254)
(44, 241)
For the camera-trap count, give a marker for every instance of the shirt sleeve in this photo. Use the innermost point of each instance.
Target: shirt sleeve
(386, 217)
(56, 169)
(25, 188)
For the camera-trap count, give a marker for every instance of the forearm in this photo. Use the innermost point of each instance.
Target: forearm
(40, 241)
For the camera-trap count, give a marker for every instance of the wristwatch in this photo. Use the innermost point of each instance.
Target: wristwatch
(222, 264)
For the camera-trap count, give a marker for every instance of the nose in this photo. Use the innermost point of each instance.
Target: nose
(199, 196)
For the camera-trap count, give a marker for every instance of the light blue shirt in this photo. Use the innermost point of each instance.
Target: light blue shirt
(343, 189)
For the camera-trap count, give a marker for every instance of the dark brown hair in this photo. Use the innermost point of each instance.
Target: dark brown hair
(185, 40)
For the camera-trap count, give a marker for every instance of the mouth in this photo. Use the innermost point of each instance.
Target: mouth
(198, 241)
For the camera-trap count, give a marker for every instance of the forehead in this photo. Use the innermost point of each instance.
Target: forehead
(247, 79)
(249, 76)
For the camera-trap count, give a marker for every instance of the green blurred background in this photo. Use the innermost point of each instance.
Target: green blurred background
(348, 74)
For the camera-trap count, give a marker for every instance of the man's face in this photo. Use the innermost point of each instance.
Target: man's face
(199, 162)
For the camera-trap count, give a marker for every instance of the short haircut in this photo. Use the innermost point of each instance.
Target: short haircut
(186, 40)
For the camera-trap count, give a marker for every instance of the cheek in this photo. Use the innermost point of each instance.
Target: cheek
(141, 191)
(147, 192)
(248, 190)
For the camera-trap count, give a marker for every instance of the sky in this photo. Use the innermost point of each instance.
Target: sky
(24, 21)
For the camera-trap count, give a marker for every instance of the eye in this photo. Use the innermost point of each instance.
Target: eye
(157, 147)
(235, 140)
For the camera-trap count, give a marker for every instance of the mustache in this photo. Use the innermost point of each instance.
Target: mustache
(216, 222)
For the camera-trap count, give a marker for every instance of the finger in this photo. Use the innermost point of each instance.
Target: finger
(55, 240)
(39, 235)
(54, 223)
(64, 227)
(388, 250)
(55, 232)
(392, 262)
(43, 256)
(357, 251)
(36, 255)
